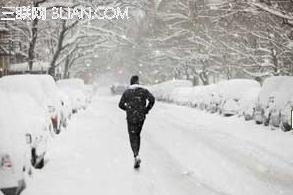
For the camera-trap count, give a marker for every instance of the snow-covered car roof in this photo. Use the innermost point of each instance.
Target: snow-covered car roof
(42, 88)
(182, 94)
(236, 88)
(165, 89)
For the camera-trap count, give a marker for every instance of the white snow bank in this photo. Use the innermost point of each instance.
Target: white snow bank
(42, 88)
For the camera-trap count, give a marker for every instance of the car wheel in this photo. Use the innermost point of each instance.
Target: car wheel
(40, 164)
(266, 121)
(36, 161)
(285, 126)
(247, 117)
(58, 130)
(258, 122)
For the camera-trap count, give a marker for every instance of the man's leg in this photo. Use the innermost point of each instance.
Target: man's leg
(139, 128)
(134, 136)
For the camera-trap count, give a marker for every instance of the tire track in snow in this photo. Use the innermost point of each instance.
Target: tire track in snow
(268, 168)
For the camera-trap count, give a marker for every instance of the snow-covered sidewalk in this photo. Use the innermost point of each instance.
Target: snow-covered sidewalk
(184, 151)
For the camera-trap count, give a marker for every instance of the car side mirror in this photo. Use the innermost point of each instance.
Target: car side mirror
(28, 138)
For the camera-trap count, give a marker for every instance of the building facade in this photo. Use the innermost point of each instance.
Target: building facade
(5, 50)
(13, 44)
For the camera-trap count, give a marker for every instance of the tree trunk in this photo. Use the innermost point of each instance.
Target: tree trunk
(32, 44)
(66, 68)
(58, 49)
(204, 78)
(275, 62)
(195, 81)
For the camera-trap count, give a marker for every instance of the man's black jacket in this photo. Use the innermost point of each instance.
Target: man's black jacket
(134, 102)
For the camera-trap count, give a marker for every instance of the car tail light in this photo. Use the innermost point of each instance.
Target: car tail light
(6, 161)
(54, 120)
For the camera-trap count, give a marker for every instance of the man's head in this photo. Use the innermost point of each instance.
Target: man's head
(134, 80)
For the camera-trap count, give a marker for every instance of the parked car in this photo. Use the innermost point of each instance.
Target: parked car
(247, 103)
(181, 96)
(258, 114)
(42, 89)
(11, 170)
(76, 91)
(23, 140)
(286, 116)
(248, 112)
(206, 97)
(214, 103)
(237, 100)
(195, 96)
(55, 101)
(275, 94)
(163, 91)
(230, 107)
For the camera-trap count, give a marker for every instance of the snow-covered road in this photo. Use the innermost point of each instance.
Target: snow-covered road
(184, 151)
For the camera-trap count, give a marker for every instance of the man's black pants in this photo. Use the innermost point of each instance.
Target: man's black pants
(134, 130)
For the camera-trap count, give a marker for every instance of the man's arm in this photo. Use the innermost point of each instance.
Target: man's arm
(123, 102)
(151, 101)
